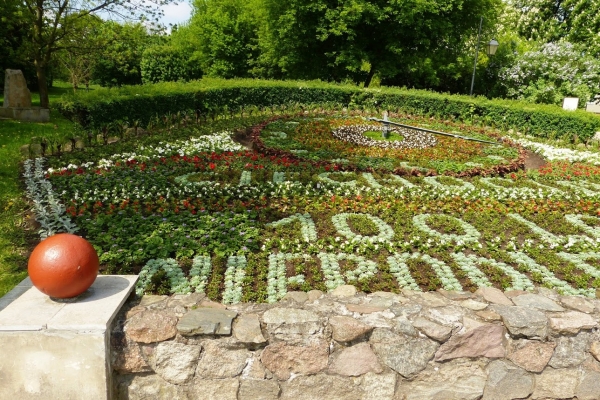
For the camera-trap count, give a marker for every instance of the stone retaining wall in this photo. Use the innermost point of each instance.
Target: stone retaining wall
(348, 345)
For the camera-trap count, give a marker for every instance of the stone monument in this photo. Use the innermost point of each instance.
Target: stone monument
(16, 94)
(17, 100)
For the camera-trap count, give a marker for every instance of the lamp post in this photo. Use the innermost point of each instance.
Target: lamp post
(492, 46)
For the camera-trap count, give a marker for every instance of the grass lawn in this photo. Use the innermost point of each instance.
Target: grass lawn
(377, 135)
(15, 239)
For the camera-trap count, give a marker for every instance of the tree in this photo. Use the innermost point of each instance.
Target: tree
(79, 53)
(118, 62)
(52, 21)
(585, 25)
(221, 37)
(360, 38)
(541, 20)
(576, 21)
(14, 31)
(165, 63)
(548, 74)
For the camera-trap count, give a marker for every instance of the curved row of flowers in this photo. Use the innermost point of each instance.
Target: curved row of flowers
(411, 139)
(558, 153)
(149, 187)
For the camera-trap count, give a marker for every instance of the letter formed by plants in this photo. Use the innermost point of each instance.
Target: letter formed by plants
(395, 178)
(588, 188)
(340, 221)
(308, 230)
(471, 234)
(577, 220)
(548, 278)
(371, 180)
(468, 263)
(276, 279)
(200, 272)
(177, 281)
(434, 181)
(580, 260)
(246, 178)
(278, 177)
(542, 233)
(400, 271)
(331, 269)
(234, 279)
(399, 268)
(325, 178)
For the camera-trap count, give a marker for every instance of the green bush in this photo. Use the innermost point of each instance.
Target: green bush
(167, 64)
(209, 96)
(98, 108)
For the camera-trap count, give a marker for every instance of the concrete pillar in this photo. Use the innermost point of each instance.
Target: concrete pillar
(59, 349)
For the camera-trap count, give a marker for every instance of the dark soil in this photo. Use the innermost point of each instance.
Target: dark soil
(533, 160)
(244, 137)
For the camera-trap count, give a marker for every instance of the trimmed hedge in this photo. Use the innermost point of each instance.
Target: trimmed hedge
(101, 107)
(535, 119)
(209, 96)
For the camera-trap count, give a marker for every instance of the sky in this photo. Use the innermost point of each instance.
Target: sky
(176, 14)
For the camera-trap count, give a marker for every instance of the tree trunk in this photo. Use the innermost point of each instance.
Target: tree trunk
(370, 77)
(42, 84)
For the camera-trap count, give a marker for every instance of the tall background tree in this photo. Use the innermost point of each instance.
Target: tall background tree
(407, 42)
(15, 31)
(118, 61)
(221, 36)
(53, 21)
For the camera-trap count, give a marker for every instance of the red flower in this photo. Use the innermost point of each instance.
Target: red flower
(212, 165)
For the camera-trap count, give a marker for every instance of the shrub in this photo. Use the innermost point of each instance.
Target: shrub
(555, 71)
(167, 64)
(209, 96)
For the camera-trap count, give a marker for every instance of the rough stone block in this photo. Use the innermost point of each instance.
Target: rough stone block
(506, 381)
(556, 384)
(452, 380)
(206, 321)
(16, 93)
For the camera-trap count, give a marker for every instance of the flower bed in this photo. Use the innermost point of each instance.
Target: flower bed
(309, 211)
(342, 142)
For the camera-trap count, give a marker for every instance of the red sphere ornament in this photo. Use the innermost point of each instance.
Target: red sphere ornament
(63, 265)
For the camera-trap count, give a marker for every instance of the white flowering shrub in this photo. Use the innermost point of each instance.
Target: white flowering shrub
(555, 71)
